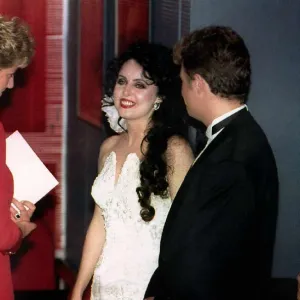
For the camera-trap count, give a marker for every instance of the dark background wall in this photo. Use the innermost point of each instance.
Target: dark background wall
(170, 19)
(271, 31)
(83, 143)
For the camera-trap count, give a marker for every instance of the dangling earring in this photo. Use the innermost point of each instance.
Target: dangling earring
(156, 105)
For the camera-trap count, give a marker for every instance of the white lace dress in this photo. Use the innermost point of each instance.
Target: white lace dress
(130, 253)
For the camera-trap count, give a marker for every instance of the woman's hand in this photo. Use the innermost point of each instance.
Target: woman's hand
(26, 227)
(21, 212)
(26, 210)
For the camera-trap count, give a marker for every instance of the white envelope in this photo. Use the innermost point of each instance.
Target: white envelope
(32, 180)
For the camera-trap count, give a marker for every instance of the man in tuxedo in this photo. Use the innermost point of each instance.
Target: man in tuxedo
(218, 239)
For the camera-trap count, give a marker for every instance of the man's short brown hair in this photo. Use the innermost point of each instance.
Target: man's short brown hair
(220, 56)
(16, 43)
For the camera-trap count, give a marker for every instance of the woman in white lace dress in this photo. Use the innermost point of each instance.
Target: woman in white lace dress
(140, 171)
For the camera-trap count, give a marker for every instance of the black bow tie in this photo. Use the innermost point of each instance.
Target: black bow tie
(217, 127)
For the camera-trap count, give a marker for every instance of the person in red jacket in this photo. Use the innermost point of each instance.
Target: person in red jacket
(16, 51)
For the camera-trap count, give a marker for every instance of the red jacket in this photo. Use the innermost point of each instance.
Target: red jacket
(10, 234)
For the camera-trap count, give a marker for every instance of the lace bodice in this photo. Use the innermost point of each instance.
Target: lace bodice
(130, 253)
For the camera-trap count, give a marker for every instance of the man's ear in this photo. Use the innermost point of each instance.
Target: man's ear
(199, 83)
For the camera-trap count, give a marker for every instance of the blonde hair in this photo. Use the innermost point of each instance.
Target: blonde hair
(16, 43)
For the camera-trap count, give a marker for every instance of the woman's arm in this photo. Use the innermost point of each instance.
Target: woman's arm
(92, 249)
(95, 236)
(10, 234)
(179, 157)
(11, 230)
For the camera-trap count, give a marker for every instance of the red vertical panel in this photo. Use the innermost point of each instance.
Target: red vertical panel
(133, 22)
(10, 7)
(91, 60)
(27, 110)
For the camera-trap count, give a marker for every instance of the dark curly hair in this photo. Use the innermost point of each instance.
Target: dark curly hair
(169, 120)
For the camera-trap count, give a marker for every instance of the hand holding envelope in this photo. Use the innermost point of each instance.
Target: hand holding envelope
(21, 210)
(32, 180)
(21, 217)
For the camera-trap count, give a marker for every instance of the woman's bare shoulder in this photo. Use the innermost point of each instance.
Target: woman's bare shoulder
(106, 148)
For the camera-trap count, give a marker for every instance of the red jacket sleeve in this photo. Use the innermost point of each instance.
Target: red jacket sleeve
(10, 234)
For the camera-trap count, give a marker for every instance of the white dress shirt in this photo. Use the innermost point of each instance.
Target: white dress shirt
(208, 133)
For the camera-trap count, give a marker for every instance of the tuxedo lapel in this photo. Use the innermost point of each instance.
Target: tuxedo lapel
(177, 204)
(210, 148)
(183, 209)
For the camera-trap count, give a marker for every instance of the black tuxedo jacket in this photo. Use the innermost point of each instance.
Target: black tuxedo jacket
(218, 239)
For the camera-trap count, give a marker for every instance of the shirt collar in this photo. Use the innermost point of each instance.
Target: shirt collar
(208, 132)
